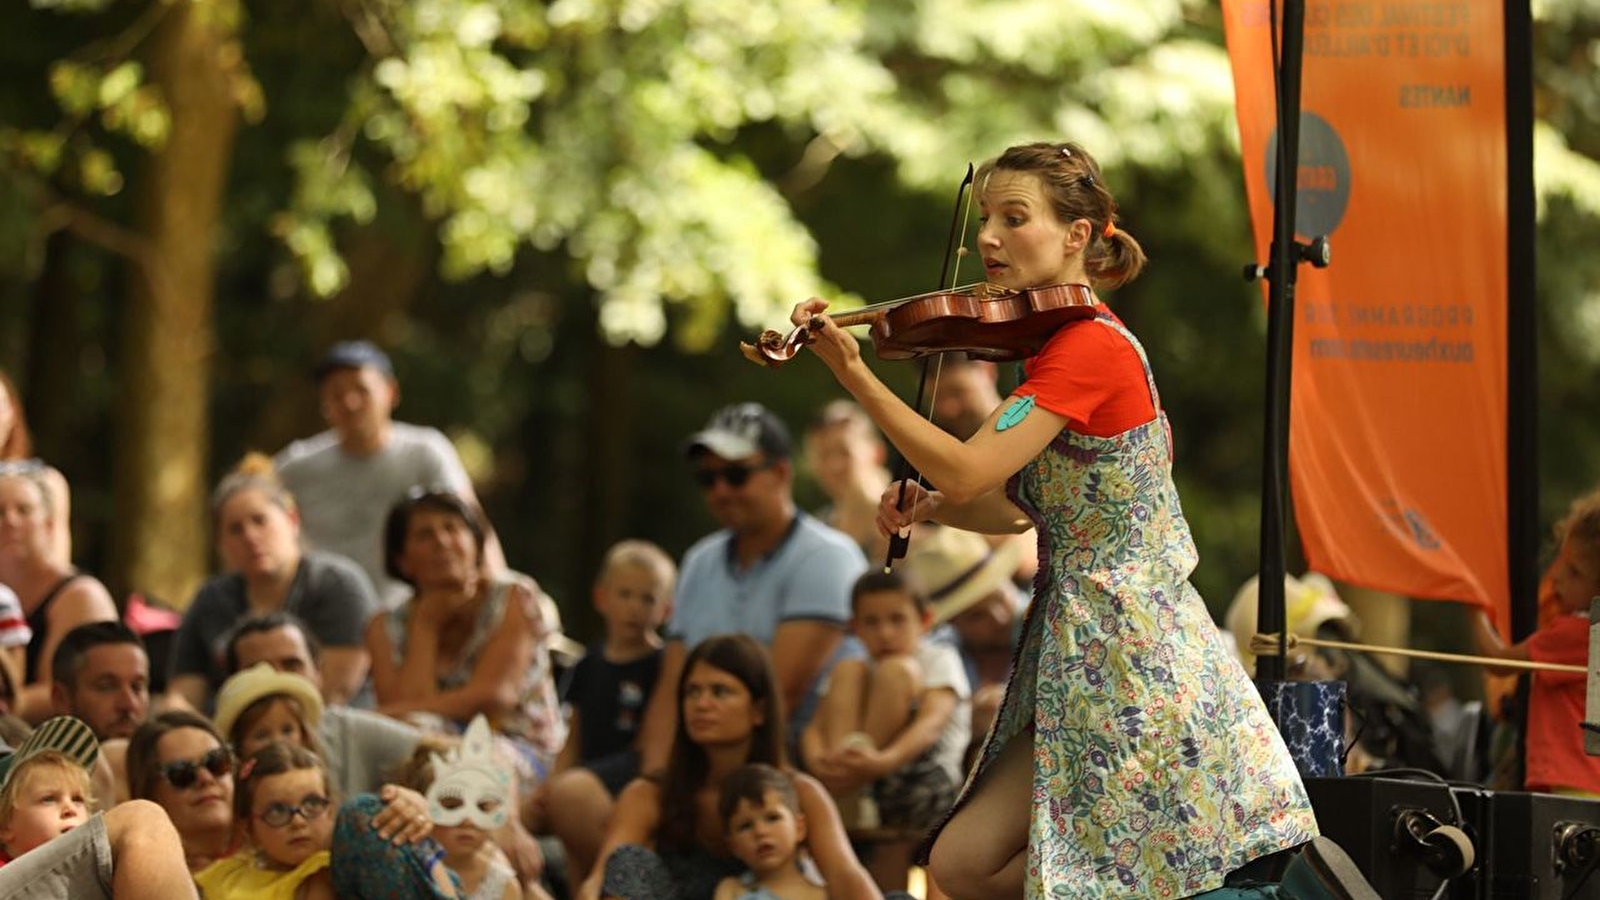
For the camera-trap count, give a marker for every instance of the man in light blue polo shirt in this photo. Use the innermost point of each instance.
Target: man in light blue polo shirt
(772, 572)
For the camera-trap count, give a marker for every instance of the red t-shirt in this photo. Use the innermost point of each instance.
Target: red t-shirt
(1091, 374)
(1556, 758)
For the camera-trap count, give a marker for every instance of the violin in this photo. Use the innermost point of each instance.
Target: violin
(985, 320)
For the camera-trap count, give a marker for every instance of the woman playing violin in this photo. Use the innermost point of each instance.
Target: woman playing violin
(1147, 759)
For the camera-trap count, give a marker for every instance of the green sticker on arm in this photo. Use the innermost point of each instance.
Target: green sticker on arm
(1015, 413)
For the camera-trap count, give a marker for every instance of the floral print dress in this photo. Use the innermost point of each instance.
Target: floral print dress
(535, 727)
(1156, 768)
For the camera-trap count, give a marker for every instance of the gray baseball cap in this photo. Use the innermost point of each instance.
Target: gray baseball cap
(739, 431)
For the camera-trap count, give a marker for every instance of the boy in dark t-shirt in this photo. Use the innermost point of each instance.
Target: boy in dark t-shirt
(605, 695)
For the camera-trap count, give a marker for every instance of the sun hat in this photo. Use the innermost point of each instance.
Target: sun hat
(262, 680)
(71, 737)
(957, 568)
(1309, 602)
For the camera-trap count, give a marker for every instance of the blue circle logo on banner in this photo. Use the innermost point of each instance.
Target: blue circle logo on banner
(1323, 186)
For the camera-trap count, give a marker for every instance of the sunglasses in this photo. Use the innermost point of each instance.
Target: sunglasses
(736, 475)
(279, 815)
(183, 773)
(32, 466)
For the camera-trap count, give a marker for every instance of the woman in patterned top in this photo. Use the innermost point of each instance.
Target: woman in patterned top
(1146, 759)
(464, 643)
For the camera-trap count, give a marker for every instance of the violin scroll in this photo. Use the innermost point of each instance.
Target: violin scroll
(774, 348)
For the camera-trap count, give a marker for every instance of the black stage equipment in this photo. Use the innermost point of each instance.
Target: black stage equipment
(1404, 834)
(1535, 846)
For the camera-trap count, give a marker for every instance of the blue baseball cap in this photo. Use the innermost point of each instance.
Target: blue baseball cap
(353, 355)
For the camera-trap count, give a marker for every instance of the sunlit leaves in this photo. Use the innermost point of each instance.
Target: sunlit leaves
(112, 94)
(328, 187)
(1561, 172)
(118, 83)
(588, 125)
(75, 86)
(581, 130)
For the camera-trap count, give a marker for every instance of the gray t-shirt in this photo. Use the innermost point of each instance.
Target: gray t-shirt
(362, 749)
(76, 865)
(329, 594)
(345, 499)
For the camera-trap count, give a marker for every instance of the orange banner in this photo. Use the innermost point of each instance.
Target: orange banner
(1397, 449)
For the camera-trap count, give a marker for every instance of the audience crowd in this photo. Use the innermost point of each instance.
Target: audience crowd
(365, 701)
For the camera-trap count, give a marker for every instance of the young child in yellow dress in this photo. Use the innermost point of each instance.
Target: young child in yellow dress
(283, 801)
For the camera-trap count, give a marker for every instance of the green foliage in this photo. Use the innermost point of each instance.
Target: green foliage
(1567, 175)
(108, 91)
(611, 129)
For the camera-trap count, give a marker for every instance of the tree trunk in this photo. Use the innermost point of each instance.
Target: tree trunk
(161, 522)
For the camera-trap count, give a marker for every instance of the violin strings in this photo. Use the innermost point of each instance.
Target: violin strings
(889, 304)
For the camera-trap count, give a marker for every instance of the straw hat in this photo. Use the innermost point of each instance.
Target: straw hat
(262, 680)
(958, 568)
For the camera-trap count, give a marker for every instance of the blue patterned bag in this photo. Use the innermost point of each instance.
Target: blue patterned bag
(1310, 716)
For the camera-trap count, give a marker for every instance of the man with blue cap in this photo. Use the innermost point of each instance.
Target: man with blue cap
(347, 478)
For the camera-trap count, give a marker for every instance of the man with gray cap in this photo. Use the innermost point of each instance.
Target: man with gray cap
(346, 479)
(771, 572)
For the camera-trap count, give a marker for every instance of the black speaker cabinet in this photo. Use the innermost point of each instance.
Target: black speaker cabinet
(1402, 833)
(1531, 846)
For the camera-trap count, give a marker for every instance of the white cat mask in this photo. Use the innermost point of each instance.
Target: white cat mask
(469, 785)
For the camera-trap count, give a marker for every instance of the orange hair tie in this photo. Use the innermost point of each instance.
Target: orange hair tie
(1109, 230)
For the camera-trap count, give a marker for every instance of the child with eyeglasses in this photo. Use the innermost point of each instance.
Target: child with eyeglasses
(281, 799)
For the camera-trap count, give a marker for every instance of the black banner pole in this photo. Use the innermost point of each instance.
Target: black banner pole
(1280, 273)
(1522, 359)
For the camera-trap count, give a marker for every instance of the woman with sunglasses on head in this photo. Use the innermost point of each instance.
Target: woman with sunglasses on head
(16, 445)
(1142, 753)
(465, 642)
(258, 538)
(55, 597)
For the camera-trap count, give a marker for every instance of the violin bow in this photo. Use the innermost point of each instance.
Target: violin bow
(948, 273)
